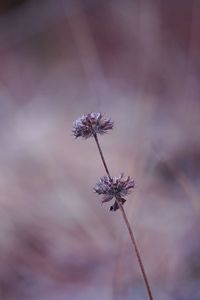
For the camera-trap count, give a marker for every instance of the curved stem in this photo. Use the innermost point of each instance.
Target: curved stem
(146, 282)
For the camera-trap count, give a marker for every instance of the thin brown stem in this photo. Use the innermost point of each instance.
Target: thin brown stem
(136, 249)
(146, 282)
(101, 154)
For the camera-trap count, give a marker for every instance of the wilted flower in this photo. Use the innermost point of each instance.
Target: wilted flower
(115, 187)
(90, 124)
(110, 187)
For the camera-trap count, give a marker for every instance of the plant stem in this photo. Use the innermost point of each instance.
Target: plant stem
(101, 154)
(133, 240)
(136, 250)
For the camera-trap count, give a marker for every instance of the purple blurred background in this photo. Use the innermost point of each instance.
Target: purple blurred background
(137, 62)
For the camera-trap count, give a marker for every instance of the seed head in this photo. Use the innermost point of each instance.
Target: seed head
(116, 187)
(90, 124)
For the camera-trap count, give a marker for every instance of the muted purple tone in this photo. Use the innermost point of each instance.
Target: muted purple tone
(90, 124)
(116, 187)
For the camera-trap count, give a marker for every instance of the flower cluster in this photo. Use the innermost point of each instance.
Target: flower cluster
(90, 124)
(115, 187)
(110, 187)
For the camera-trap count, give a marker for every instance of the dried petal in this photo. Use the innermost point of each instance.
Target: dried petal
(90, 124)
(115, 206)
(115, 187)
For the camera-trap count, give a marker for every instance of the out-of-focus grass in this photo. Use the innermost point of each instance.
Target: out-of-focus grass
(137, 62)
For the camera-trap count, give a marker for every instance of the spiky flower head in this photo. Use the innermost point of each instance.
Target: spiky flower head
(115, 187)
(90, 124)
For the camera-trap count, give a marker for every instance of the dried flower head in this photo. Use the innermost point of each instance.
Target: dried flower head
(90, 124)
(115, 187)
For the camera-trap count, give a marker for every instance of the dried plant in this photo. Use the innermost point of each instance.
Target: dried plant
(115, 187)
(89, 125)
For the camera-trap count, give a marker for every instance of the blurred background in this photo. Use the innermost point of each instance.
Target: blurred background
(137, 62)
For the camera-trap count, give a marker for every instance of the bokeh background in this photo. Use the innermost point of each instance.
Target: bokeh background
(137, 62)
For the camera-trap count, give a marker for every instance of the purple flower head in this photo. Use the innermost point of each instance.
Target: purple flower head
(116, 187)
(90, 124)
